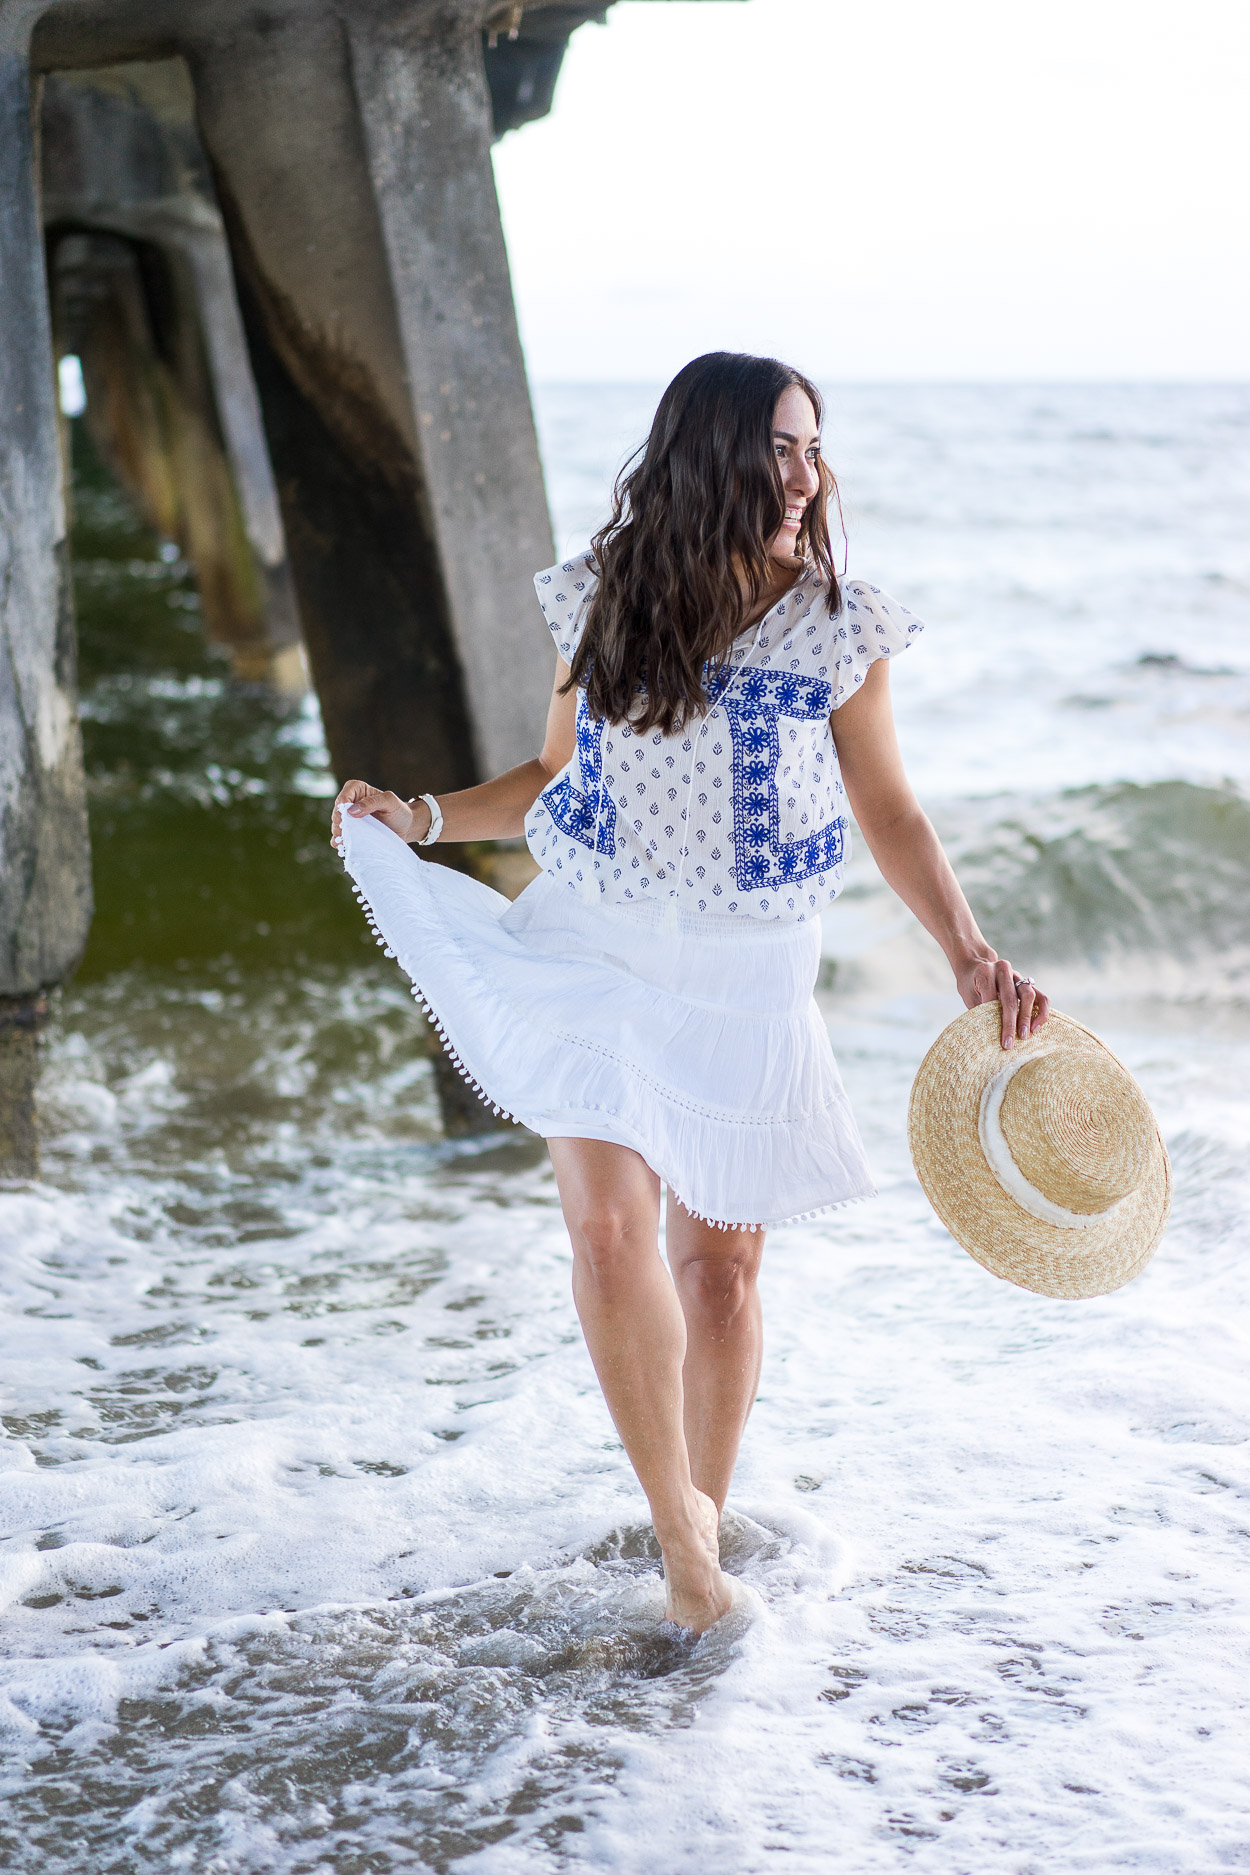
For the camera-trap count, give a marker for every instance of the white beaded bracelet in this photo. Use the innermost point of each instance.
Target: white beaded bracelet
(436, 818)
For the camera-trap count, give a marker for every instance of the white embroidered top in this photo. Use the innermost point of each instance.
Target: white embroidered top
(743, 812)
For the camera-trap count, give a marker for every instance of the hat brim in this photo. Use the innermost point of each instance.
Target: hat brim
(942, 1127)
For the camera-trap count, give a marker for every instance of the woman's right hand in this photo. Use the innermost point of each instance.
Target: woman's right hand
(359, 799)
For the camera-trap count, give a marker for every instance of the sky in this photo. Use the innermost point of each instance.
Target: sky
(891, 190)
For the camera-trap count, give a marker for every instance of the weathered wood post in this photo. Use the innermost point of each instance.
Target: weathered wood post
(45, 881)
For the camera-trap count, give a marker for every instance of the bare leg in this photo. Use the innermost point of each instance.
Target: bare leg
(636, 1335)
(715, 1272)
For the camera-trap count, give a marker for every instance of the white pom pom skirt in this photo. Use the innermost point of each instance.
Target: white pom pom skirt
(692, 1039)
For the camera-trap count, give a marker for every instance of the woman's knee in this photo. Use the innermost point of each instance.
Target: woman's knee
(607, 1241)
(720, 1281)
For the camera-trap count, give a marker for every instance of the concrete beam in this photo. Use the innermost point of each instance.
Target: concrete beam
(523, 56)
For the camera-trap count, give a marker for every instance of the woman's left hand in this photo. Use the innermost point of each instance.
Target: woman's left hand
(1025, 1007)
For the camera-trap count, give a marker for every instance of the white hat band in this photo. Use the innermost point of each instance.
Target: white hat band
(1000, 1161)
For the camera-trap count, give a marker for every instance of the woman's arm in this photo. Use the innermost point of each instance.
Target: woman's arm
(494, 810)
(909, 854)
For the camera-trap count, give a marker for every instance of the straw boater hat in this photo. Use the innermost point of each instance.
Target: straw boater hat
(1043, 1160)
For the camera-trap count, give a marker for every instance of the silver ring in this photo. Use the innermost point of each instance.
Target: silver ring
(1021, 981)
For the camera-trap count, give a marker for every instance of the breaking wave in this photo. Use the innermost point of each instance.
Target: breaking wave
(1098, 871)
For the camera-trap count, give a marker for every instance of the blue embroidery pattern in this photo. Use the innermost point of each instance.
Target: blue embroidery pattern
(763, 862)
(588, 818)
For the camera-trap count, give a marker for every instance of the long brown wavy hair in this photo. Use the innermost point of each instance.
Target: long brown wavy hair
(684, 559)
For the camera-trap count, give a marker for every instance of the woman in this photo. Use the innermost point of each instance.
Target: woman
(646, 1004)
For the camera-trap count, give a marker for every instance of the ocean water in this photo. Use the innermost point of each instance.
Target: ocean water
(319, 1551)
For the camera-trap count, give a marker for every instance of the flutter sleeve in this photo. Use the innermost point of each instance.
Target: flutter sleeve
(564, 592)
(871, 625)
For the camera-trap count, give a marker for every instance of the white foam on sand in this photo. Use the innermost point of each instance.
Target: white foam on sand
(356, 1476)
(1038, 1662)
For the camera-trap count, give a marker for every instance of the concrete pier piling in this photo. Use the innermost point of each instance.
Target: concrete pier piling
(141, 291)
(352, 161)
(45, 879)
(274, 243)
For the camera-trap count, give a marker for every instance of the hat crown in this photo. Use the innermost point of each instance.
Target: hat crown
(1079, 1129)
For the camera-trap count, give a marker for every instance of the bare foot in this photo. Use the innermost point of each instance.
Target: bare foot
(697, 1594)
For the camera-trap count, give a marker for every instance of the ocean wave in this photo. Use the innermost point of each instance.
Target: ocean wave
(1096, 871)
(1134, 893)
